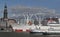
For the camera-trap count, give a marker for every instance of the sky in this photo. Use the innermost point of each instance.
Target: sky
(50, 4)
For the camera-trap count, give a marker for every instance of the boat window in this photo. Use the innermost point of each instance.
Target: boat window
(53, 23)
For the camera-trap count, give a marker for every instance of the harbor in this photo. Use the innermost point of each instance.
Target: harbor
(29, 18)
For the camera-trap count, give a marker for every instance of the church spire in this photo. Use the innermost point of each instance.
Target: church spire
(5, 15)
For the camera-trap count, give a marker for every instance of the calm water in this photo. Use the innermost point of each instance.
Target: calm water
(24, 34)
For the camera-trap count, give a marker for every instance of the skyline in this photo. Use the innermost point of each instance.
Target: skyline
(50, 4)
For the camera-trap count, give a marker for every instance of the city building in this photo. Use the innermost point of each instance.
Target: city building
(5, 21)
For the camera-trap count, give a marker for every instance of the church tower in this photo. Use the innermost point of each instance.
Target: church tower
(5, 15)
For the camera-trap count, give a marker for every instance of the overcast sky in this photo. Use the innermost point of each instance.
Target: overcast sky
(50, 4)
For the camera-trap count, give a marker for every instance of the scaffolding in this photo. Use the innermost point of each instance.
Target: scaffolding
(24, 14)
